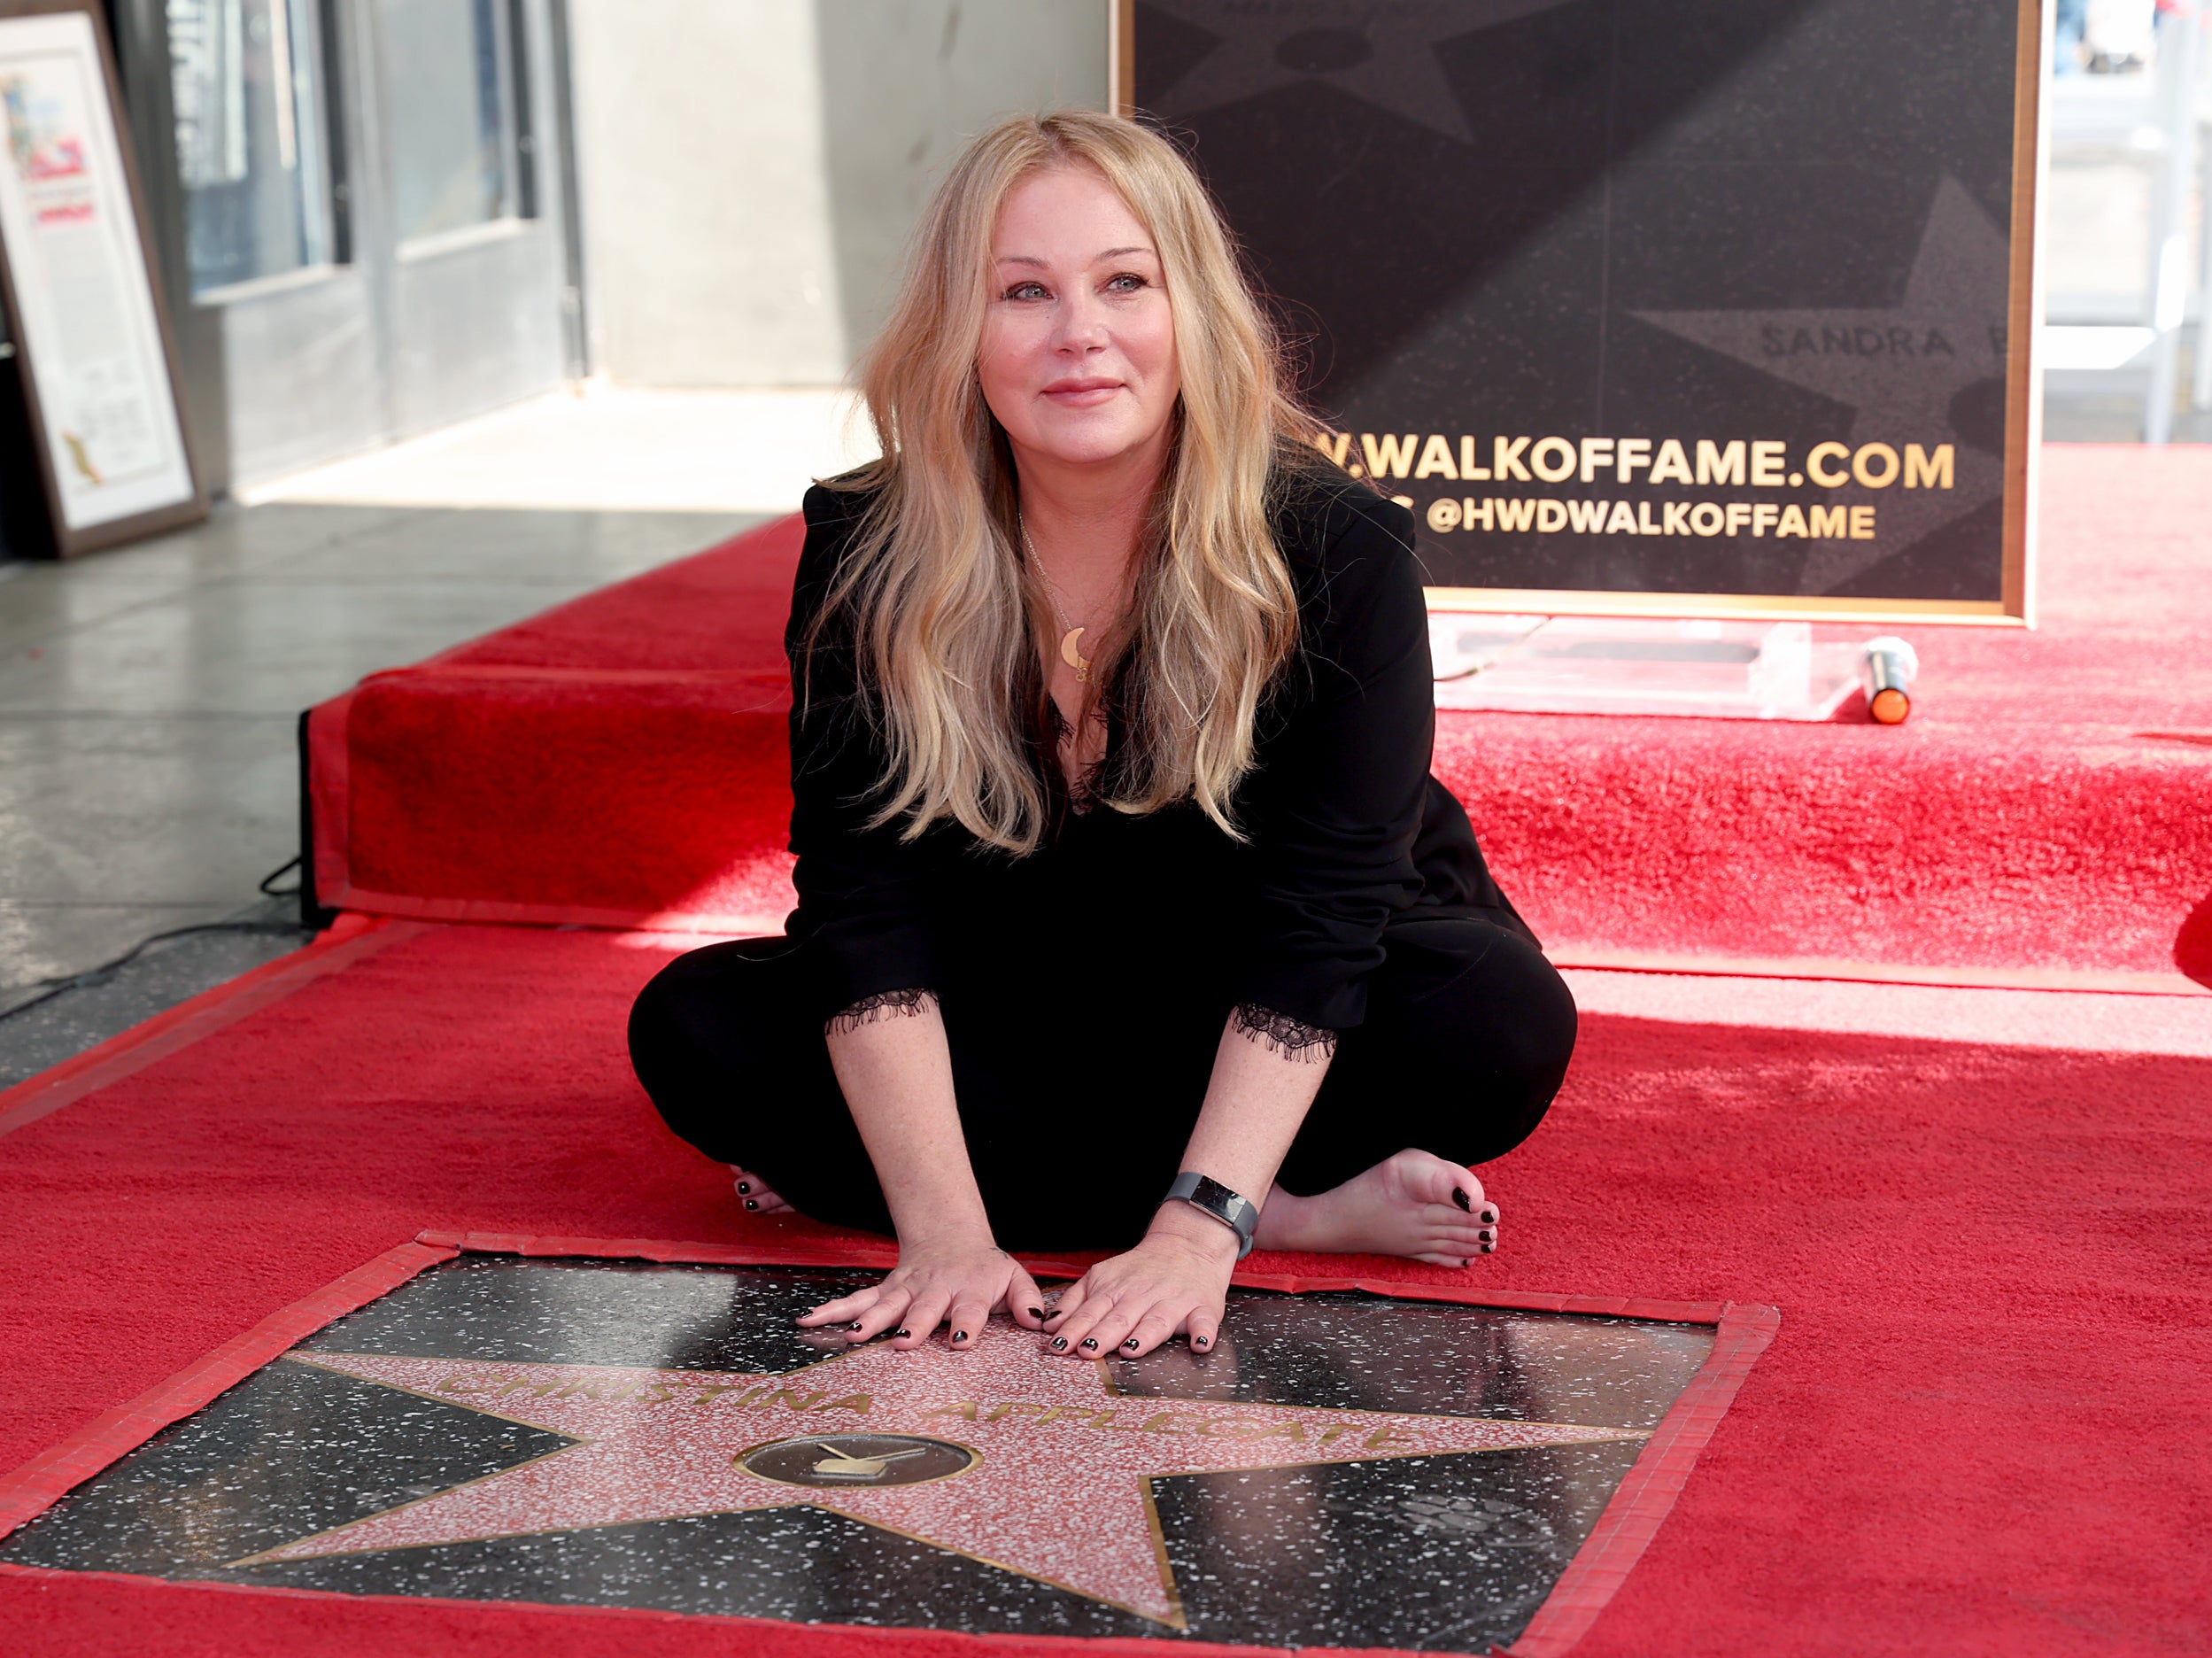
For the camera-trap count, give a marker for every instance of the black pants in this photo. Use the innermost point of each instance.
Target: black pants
(1075, 1123)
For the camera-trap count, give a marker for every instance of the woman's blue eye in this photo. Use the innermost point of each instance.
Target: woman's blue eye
(1128, 281)
(1025, 290)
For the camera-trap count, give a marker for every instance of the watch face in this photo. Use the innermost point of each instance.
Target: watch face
(1230, 1204)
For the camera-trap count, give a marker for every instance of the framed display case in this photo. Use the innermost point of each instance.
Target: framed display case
(94, 368)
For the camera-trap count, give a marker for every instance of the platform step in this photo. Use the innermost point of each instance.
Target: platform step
(2046, 816)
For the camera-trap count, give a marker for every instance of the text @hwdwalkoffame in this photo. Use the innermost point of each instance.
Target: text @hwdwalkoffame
(1642, 464)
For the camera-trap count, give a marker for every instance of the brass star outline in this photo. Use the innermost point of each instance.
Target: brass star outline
(1109, 1549)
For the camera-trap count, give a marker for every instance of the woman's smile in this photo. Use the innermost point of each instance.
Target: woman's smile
(1082, 393)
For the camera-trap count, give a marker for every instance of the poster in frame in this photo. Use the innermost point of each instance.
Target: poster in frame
(95, 362)
(1647, 307)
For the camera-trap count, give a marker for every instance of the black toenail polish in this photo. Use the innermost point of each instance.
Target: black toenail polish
(960, 1334)
(853, 1324)
(1131, 1344)
(1459, 1196)
(902, 1332)
(1490, 1249)
(1091, 1342)
(1059, 1344)
(751, 1204)
(1038, 1313)
(744, 1188)
(1490, 1214)
(1198, 1341)
(1489, 1235)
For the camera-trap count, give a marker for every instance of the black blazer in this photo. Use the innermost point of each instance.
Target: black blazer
(1346, 830)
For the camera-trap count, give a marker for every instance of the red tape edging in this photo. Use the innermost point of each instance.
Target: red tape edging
(2097, 981)
(39, 1483)
(707, 924)
(1599, 1568)
(754, 1637)
(351, 938)
(1645, 1498)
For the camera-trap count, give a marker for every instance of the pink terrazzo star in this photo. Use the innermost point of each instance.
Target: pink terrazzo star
(1049, 1467)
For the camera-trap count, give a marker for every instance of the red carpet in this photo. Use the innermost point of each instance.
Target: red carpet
(1983, 1428)
(2044, 818)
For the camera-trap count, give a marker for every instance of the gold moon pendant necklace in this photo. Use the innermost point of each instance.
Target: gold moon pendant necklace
(1071, 637)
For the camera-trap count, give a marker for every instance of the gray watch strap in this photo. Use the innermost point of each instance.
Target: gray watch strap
(1239, 1213)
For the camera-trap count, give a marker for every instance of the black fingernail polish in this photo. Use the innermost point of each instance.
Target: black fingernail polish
(902, 1332)
(1091, 1342)
(1459, 1196)
(1038, 1313)
(744, 1188)
(1059, 1344)
(1131, 1344)
(751, 1204)
(1198, 1341)
(853, 1324)
(960, 1334)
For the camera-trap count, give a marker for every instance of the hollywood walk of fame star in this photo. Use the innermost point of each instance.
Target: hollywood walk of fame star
(1386, 57)
(1899, 367)
(1005, 1455)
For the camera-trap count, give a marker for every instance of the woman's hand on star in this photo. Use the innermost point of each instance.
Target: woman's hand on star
(1175, 1282)
(959, 1283)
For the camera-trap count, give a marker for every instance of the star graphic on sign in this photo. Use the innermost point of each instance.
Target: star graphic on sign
(1383, 55)
(1004, 1454)
(1899, 367)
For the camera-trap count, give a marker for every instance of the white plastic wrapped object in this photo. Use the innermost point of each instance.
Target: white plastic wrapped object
(1719, 669)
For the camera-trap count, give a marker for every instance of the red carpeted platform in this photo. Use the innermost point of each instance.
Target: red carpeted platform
(1983, 1428)
(2044, 819)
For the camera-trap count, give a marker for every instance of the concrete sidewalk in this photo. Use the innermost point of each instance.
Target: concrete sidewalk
(147, 695)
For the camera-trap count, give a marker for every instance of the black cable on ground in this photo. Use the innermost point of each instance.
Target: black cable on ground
(92, 978)
(292, 891)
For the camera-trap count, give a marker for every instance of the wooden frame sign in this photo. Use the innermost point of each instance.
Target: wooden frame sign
(95, 361)
(1657, 307)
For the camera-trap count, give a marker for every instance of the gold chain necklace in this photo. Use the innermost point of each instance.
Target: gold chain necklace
(1071, 636)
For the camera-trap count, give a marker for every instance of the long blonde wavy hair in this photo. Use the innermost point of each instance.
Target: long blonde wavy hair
(943, 610)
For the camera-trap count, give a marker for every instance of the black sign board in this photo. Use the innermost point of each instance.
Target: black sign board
(1668, 307)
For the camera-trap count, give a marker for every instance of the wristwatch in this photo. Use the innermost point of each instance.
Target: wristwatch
(1240, 1215)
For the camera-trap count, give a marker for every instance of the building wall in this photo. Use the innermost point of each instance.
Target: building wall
(751, 168)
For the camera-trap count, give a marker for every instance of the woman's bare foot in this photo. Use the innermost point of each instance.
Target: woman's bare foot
(1414, 1204)
(755, 1196)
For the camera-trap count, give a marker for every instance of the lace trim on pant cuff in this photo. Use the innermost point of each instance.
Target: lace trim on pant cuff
(1303, 1045)
(887, 1005)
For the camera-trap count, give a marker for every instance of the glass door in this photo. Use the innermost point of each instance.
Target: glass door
(361, 189)
(251, 139)
(447, 70)
(476, 271)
